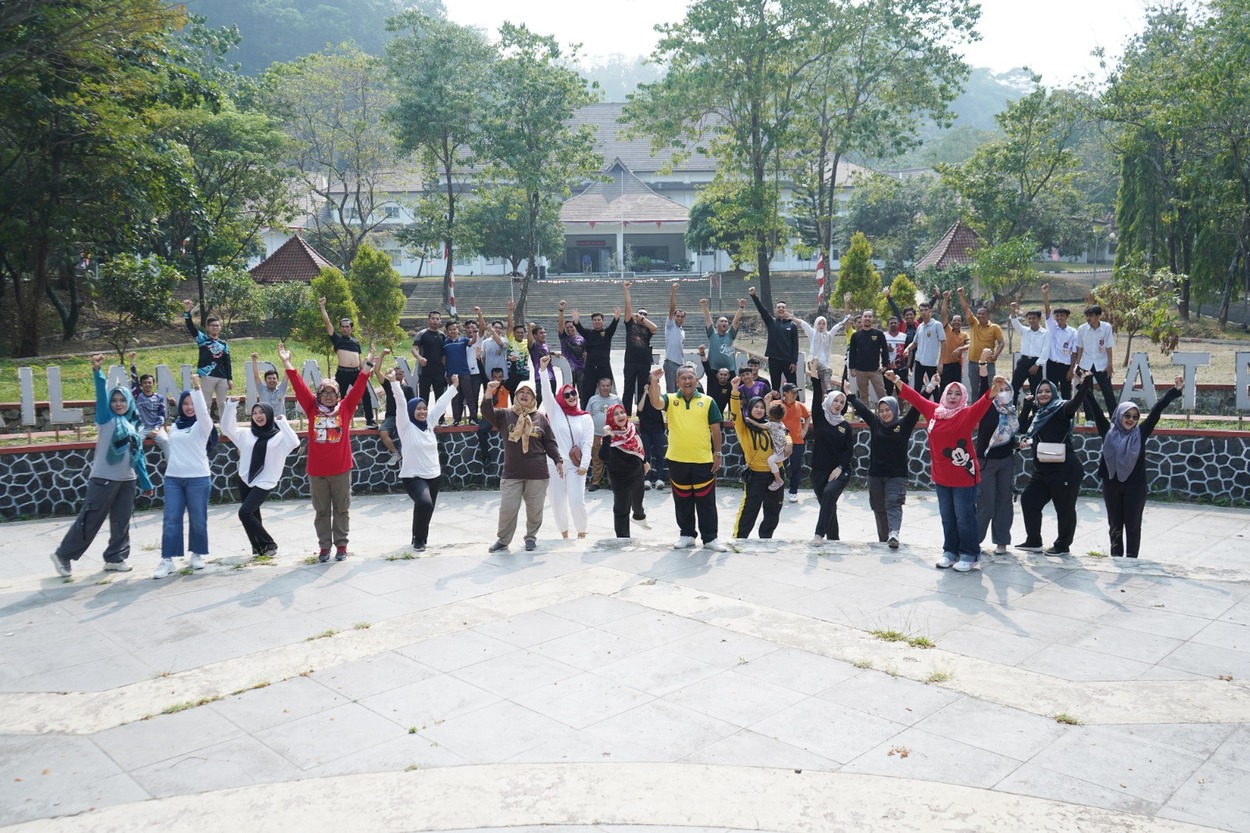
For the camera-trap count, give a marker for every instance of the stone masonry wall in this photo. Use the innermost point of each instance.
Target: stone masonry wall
(49, 480)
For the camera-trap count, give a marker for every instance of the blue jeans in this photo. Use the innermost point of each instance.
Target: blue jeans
(960, 532)
(187, 495)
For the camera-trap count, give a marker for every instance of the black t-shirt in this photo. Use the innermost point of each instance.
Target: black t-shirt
(598, 343)
(868, 351)
(342, 342)
(391, 410)
(430, 343)
(637, 342)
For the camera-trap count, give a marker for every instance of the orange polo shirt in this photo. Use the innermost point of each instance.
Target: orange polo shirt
(794, 413)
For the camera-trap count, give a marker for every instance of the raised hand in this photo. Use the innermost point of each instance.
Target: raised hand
(627, 284)
(283, 353)
(657, 374)
(544, 361)
(1179, 383)
(742, 303)
(386, 351)
(703, 304)
(321, 302)
(562, 305)
(889, 375)
(735, 383)
(846, 297)
(491, 387)
(133, 355)
(1014, 307)
(96, 361)
(477, 310)
(751, 292)
(390, 375)
(616, 311)
(511, 304)
(186, 304)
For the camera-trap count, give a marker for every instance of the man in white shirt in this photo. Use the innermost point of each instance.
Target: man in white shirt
(926, 348)
(1059, 364)
(1034, 350)
(1094, 345)
(674, 341)
(597, 406)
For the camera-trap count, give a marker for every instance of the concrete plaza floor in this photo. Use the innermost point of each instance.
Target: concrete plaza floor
(603, 685)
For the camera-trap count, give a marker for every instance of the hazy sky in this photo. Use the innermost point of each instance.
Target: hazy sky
(1053, 38)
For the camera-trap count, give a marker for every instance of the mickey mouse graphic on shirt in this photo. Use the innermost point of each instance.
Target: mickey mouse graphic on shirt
(962, 457)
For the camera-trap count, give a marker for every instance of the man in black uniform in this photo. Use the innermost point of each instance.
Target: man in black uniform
(782, 348)
(598, 351)
(427, 347)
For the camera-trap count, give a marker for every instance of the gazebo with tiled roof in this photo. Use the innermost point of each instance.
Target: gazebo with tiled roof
(293, 261)
(958, 246)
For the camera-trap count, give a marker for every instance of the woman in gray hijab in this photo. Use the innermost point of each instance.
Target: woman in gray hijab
(1123, 466)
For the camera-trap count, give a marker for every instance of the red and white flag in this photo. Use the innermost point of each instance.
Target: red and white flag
(820, 277)
(451, 286)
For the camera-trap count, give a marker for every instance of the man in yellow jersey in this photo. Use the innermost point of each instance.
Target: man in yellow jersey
(694, 455)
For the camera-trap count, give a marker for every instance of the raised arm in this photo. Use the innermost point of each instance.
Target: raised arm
(1156, 413)
(759, 306)
(672, 301)
(1045, 302)
(946, 308)
(707, 315)
(963, 305)
(511, 315)
(653, 390)
(186, 317)
(560, 318)
(1086, 381)
(742, 306)
(325, 316)
(629, 304)
(256, 377)
(889, 299)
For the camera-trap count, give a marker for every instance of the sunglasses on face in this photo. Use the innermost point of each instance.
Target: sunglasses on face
(570, 395)
(1131, 415)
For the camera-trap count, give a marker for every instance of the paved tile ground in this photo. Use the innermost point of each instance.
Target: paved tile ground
(613, 653)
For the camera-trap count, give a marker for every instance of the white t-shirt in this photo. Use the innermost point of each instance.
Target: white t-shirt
(1094, 343)
(928, 340)
(674, 342)
(1062, 342)
(897, 343)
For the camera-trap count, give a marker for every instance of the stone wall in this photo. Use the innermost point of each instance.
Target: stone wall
(48, 480)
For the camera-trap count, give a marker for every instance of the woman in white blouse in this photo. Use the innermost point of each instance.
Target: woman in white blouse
(574, 430)
(820, 346)
(188, 480)
(262, 457)
(421, 473)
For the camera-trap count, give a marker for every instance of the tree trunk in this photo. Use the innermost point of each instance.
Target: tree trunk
(448, 248)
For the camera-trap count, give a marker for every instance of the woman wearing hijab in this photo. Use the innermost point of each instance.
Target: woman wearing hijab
(625, 458)
(833, 449)
(1123, 466)
(1046, 421)
(527, 439)
(263, 450)
(953, 464)
(889, 440)
(757, 447)
(329, 451)
(420, 471)
(116, 466)
(575, 431)
(996, 447)
(188, 479)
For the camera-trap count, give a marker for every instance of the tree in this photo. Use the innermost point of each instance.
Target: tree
(232, 294)
(903, 291)
(80, 170)
(718, 222)
(733, 79)
(285, 301)
(528, 141)
(375, 291)
(424, 238)
(1001, 272)
(332, 106)
(495, 224)
(902, 218)
(1139, 301)
(878, 70)
(440, 71)
(132, 295)
(309, 329)
(858, 275)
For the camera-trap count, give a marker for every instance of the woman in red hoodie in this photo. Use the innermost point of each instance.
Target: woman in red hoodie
(329, 451)
(954, 469)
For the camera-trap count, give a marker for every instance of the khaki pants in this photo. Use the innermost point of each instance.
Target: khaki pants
(332, 502)
(596, 465)
(511, 493)
(863, 378)
(212, 386)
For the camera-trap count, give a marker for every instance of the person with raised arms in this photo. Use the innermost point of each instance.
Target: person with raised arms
(694, 456)
(420, 472)
(347, 358)
(188, 482)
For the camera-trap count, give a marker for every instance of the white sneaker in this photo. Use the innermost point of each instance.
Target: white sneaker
(775, 485)
(394, 460)
(794, 498)
(117, 566)
(947, 560)
(197, 561)
(962, 566)
(892, 543)
(164, 568)
(818, 541)
(685, 542)
(1001, 549)
(715, 546)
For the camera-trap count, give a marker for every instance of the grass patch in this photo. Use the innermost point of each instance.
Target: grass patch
(1096, 554)
(863, 664)
(105, 581)
(362, 626)
(326, 634)
(920, 642)
(889, 635)
(412, 730)
(403, 556)
(185, 571)
(190, 704)
(312, 559)
(1068, 720)
(938, 677)
(263, 560)
(265, 684)
(411, 768)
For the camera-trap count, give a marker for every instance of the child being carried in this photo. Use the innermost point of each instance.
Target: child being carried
(778, 434)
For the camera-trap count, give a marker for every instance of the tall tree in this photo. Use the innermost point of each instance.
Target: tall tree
(376, 293)
(734, 71)
(527, 137)
(880, 70)
(901, 217)
(132, 295)
(441, 72)
(496, 224)
(332, 105)
(78, 167)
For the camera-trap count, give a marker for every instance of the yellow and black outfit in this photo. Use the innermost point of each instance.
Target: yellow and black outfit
(690, 462)
(756, 448)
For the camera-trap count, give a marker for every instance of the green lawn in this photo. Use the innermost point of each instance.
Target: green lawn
(76, 372)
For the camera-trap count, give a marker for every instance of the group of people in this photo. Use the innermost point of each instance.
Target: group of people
(664, 429)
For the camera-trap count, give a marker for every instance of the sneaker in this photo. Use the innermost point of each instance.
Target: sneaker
(530, 545)
(164, 568)
(660, 486)
(1001, 549)
(497, 546)
(393, 460)
(340, 554)
(794, 498)
(117, 567)
(962, 566)
(947, 560)
(685, 542)
(1027, 547)
(323, 556)
(418, 546)
(715, 546)
(62, 565)
(774, 486)
(640, 516)
(818, 541)
(270, 551)
(371, 426)
(593, 487)
(892, 542)
(1054, 551)
(197, 561)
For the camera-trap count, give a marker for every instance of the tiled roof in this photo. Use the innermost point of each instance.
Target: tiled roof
(294, 260)
(610, 140)
(625, 197)
(956, 246)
